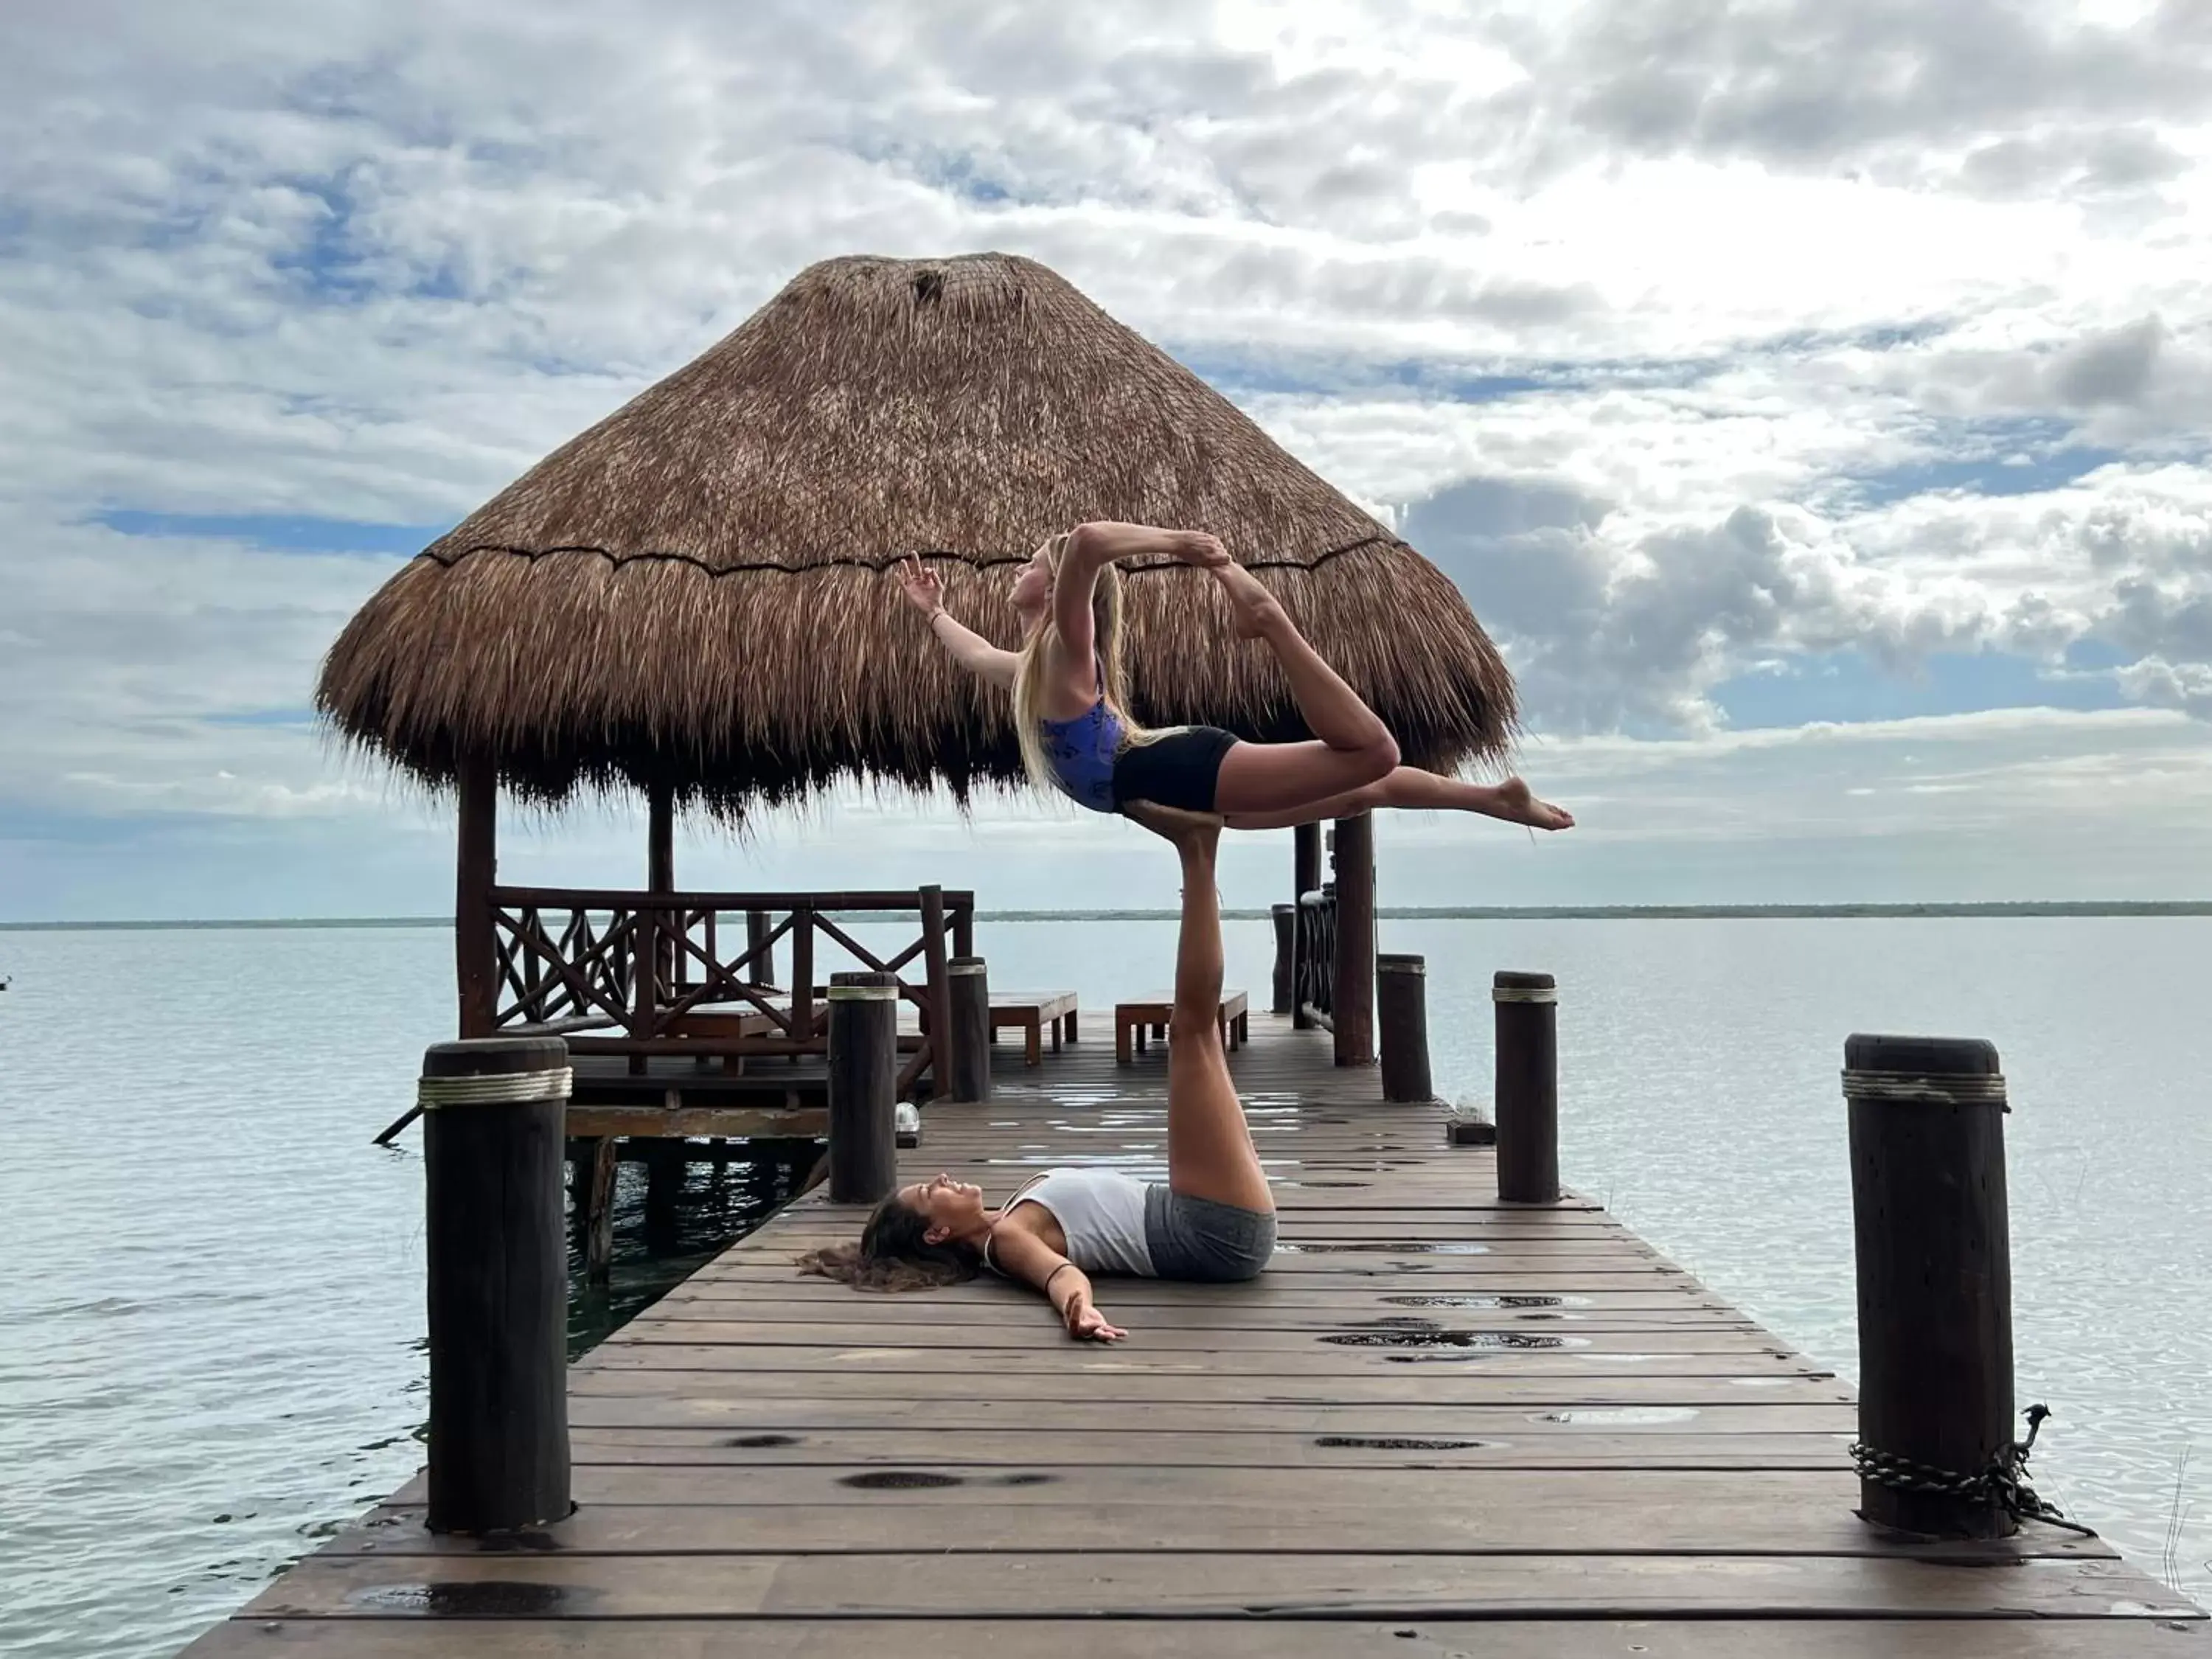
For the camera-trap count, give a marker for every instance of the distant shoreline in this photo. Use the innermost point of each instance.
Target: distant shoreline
(1392, 913)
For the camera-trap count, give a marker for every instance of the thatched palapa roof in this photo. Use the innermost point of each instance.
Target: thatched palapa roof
(692, 593)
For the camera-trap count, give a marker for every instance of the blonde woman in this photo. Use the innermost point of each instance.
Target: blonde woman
(1071, 701)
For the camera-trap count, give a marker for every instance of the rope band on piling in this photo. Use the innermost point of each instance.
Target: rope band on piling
(956, 969)
(1926, 1088)
(2002, 1483)
(1524, 993)
(495, 1089)
(863, 993)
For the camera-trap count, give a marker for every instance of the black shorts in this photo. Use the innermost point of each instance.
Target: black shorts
(1176, 769)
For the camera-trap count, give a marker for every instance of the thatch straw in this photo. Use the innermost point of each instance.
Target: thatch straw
(693, 591)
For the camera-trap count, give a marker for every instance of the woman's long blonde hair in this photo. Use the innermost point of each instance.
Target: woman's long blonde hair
(1030, 673)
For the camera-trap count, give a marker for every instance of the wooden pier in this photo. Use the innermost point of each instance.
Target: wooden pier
(1437, 1425)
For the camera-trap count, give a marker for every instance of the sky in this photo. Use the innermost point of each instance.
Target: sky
(1810, 397)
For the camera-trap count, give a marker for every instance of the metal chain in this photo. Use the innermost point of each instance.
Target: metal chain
(2003, 1482)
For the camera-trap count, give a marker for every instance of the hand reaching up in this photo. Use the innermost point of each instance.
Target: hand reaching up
(923, 587)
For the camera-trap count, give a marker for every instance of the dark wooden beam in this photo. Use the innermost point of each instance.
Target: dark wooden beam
(476, 947)
(1352, 1003)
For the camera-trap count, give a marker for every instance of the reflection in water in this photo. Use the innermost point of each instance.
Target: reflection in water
(717, 1205)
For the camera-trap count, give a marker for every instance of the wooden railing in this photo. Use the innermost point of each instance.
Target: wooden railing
(623, 972)
(1313, 985)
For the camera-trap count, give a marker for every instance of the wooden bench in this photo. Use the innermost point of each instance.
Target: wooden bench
(732, 1023)
(1030, 1013)
(1134, 1018)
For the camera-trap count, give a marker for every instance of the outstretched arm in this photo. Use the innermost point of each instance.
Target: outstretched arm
(924, 591)
(1064, 1285)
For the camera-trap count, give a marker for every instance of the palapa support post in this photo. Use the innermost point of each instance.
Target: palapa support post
(1305, 877)
(476, 943)
(1284, 999)
(1352, 1000)
(969, 1031)
(1401, 1000)
(940, 1001)
(498, 1278)
(1527, 1098)
(1935, 1283)
(802, 974)
(863, 1087)
(660, 878)
(757, 929)
(1306, 860)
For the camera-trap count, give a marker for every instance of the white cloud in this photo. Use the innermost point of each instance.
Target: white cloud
(1762, 263)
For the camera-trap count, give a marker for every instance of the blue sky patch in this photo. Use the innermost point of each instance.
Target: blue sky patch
(2017, 473)
(276, 533)
(1846, 686)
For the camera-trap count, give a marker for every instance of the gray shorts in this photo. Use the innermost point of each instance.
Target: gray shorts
(1197, 1238)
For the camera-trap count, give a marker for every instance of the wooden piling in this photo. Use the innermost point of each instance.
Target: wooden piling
(863, 1087)
(1935, 1281)
(1527, 1106)
(1401, 1022)
(969, 1032)
(497, 1265)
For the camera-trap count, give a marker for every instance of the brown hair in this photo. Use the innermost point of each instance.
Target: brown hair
(894, 1254)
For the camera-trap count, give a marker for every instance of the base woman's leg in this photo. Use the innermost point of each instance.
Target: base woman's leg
(1210, 1150)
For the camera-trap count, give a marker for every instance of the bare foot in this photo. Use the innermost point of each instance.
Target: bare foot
(1194, 829)
(1517, 804)
(1254, 613)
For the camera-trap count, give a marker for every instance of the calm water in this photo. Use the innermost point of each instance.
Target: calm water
(212, 1314)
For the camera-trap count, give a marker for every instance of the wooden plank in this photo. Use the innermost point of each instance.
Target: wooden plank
(1522, 1422)
(1095, 1376)
(1030, 1584)
(1016, 1366)
(882, 1314)
(1547, 1296)
(1366, 1339)
(1237, 1637)
(927, 1445)
(647, 1511)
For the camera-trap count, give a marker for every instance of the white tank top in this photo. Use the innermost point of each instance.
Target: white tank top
(1102, 1211)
